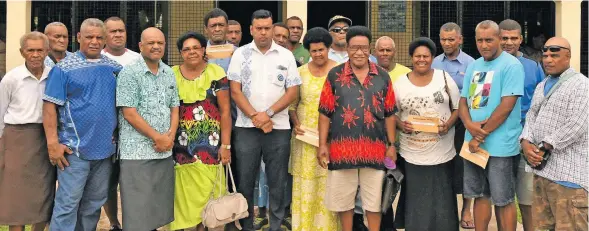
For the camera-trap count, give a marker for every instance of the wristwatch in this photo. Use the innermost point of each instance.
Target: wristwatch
(226, 146)
(270, 112)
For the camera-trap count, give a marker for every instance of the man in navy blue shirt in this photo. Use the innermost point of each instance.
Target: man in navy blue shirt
(511, 39)
(79, 117)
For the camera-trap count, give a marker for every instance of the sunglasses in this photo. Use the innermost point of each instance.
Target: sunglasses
(553, 48)
(339, 29)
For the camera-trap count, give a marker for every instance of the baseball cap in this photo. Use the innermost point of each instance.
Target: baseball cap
(339, 18)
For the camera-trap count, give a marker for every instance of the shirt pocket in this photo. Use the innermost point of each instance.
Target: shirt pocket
(278, 78)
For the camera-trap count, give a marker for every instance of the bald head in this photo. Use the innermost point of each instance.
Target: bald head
(152, 45)
(150, 32)
(559, 41)
(556, 56)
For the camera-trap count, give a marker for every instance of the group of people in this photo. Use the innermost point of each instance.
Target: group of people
(105, 116)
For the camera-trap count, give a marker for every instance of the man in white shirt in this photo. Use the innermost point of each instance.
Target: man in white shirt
(27, 184)
(264, 81)
(116, 40)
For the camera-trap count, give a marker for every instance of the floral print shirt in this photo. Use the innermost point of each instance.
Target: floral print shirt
(357, 134)
(199, 133)
(152, 96)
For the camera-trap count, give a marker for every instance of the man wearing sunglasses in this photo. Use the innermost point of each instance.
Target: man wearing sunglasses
(338, 27)
(511, 38)
(557, 123)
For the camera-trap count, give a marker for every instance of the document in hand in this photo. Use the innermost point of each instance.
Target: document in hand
(311, 136)
(479, 158)
(424, 124)
(220, 51)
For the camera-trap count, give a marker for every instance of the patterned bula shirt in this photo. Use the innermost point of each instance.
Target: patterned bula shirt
(357, 134)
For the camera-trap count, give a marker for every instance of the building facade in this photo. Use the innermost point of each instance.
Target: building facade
(401, 20)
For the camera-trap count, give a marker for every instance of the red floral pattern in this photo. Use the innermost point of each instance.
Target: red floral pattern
(345, 79)
(345, 100)
(368, 118)
(198, 142)
(349, 116)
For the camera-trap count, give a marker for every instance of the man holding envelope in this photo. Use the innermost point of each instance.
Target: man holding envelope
(490, 109)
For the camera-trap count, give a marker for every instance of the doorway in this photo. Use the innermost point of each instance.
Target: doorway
(319, 12)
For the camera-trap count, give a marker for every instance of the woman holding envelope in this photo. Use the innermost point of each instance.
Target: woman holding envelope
(308, 211)
(203, 138)
(427, 102)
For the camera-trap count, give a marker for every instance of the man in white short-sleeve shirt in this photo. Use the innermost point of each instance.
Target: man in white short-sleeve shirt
(116, 40)
(264, 81)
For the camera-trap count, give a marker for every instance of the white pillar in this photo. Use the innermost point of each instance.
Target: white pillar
(298, 8)
(18, 22)
(568, 25)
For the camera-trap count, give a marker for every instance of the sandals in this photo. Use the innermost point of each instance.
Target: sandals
(467, 224)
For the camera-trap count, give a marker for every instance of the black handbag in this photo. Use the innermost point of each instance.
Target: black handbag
(391, 187)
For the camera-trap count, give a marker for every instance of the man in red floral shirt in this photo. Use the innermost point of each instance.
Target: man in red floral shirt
(356, 131)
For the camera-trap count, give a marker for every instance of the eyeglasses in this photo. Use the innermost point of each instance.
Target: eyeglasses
(553, 48)
(339, 29)
(188, 49)
(363, 48)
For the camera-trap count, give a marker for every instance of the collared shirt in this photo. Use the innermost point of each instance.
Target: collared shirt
(534, 75)
(455, 67)
(125, 59)
(337, 56)
(357, 134)
(224, 62)
(152, 96)
(50, 63)
(21, 96)
(264, 79)
(562, 121)
(84, 91)
(485, 84)
(301, 54)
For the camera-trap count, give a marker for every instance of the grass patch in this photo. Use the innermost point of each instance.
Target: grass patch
(5, 227)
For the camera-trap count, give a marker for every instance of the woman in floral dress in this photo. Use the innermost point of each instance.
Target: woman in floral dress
(308, 211)
(203, 134)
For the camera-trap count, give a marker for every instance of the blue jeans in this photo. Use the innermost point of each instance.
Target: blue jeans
(82, 190)
(497, 181)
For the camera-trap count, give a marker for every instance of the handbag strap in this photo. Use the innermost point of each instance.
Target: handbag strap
(562, 79)
(448, 92)
(229, 174)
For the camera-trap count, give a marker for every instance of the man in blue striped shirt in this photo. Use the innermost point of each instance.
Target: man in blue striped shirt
(79, 117)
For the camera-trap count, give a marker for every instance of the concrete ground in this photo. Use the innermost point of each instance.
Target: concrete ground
(104, 225)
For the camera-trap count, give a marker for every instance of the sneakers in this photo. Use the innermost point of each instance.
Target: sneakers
(260, 222)
(287, 223)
